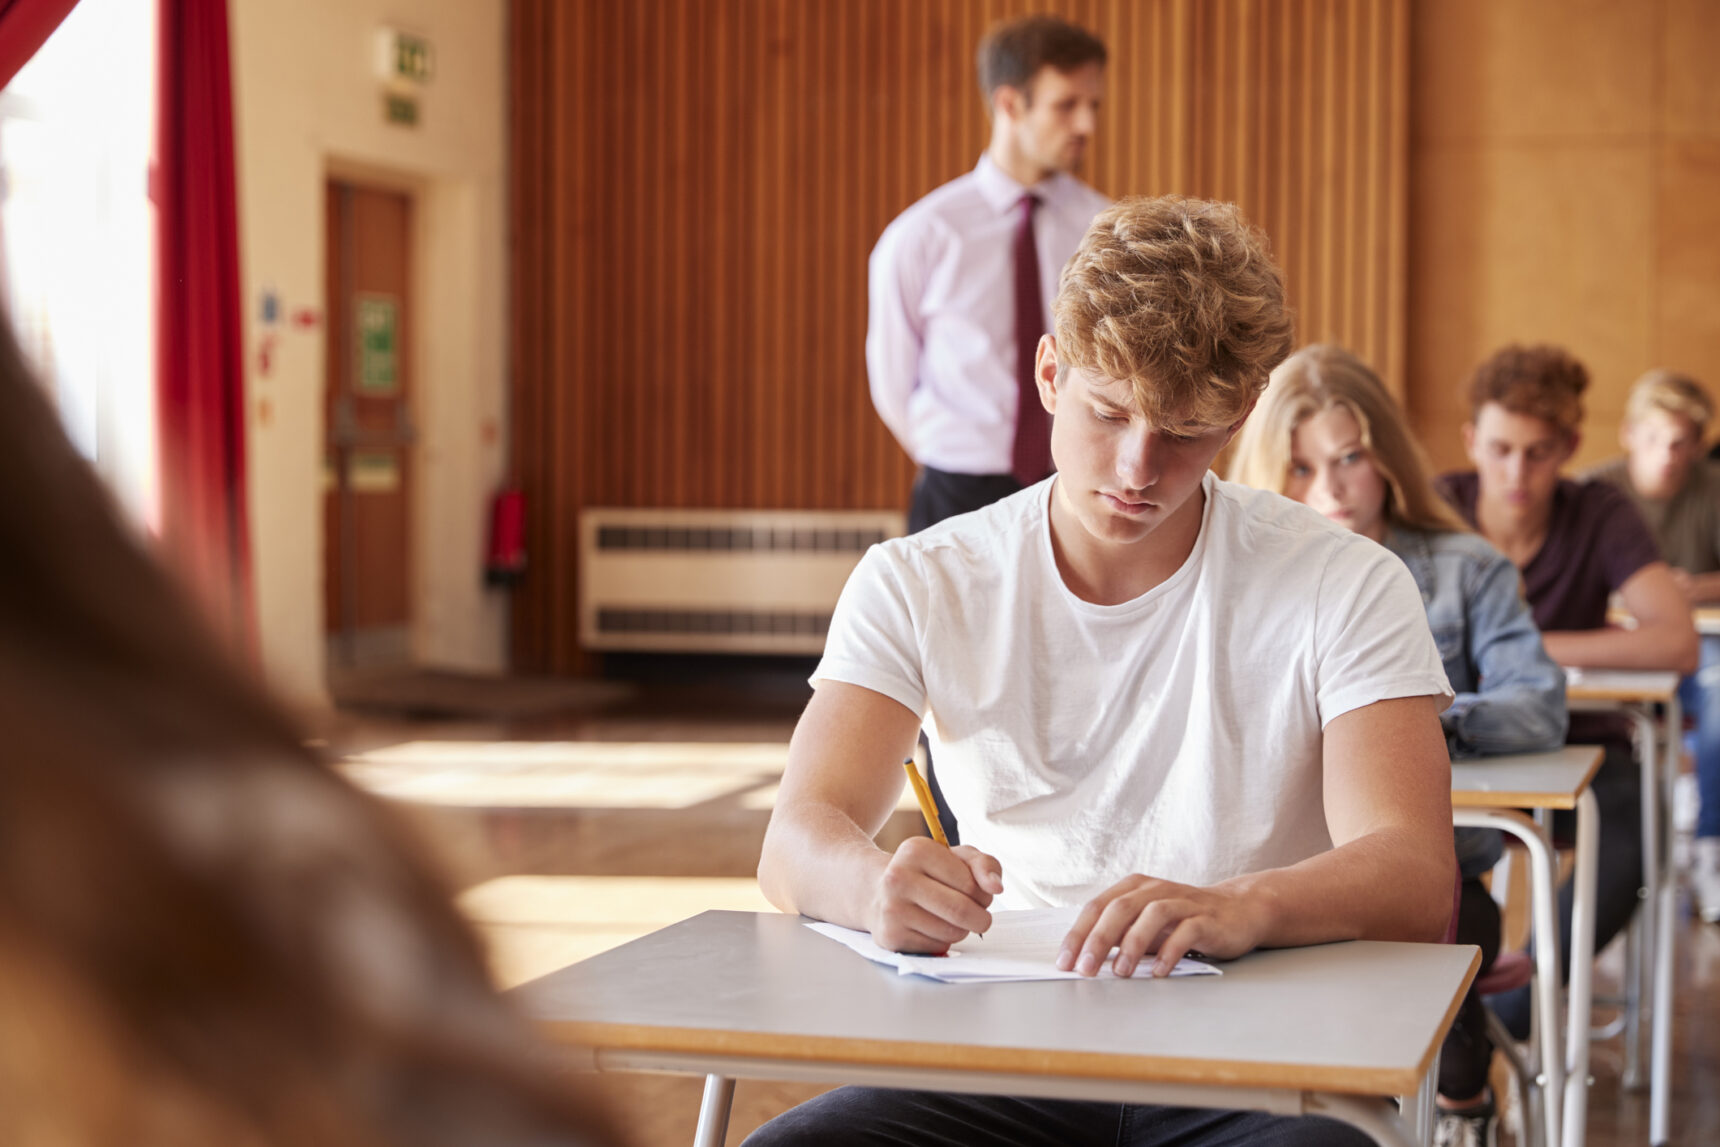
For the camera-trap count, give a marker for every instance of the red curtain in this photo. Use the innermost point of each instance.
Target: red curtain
(200, 384)
(25, 26)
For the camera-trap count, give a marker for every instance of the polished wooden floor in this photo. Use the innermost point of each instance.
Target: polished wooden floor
(570, 833)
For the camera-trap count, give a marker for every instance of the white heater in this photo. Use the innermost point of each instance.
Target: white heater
(708, 581)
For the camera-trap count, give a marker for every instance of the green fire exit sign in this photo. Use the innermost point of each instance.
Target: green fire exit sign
(403, 56)
(378, 345)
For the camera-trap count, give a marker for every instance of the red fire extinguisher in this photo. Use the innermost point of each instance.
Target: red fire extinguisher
(506, 563)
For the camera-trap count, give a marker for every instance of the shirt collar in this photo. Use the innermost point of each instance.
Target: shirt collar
(1003, 192)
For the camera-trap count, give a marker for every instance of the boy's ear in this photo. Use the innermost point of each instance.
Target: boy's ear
(1469, 439)
(1230, 434)
(1573, 440)
(1045, 372)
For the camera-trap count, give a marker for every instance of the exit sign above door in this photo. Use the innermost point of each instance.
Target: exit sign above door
(403, 57)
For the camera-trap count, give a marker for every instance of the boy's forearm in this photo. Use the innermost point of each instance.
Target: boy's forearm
(819, 863)
(1388, 885)
(1671, 647)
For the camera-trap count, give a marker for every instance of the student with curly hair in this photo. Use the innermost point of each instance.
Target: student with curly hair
(1577, 544)
(1201, 714)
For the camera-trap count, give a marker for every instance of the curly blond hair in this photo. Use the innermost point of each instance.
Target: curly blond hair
(1179, 298)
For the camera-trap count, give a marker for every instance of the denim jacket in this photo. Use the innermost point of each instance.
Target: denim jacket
(1510, 694)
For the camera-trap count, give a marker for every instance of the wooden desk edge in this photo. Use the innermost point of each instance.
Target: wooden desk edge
(1500, 798)
(1432, 1054)
(1581, 692)
(1346, 1080)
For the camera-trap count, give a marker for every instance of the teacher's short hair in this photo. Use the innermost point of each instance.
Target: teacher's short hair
(1012, 53)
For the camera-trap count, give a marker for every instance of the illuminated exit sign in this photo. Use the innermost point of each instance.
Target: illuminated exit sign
(403, 57)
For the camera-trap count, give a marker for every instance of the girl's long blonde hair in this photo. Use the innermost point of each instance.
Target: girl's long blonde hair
(1319, 378)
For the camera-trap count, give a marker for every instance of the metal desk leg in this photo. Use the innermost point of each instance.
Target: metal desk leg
(1544, 912)
(714, 1111)
(1373, 1117)
(1660, 1067)
(1648, 754)
(1576, 1090)
(1636, 949)
(1419, 1110)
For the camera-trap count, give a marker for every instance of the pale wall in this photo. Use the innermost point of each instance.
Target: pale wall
(1565, 187)
(307, 104)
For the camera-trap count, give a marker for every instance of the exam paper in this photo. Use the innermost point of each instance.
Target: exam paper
(1022, 945)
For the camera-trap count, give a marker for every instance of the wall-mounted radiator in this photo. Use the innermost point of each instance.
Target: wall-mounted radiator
(731, 581)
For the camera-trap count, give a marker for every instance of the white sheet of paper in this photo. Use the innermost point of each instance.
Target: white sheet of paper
(1022, 945)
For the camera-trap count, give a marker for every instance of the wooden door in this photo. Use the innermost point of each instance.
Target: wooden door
(367, 468)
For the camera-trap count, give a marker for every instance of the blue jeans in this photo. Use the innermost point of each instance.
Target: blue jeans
(1700, 696)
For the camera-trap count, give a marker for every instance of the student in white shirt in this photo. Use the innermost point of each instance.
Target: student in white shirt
(1203, 713)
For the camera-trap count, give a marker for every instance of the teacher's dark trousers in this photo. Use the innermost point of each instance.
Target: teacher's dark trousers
(939, 494)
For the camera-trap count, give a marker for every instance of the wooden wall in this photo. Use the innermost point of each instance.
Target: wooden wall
(1565, 188)
(697, 183)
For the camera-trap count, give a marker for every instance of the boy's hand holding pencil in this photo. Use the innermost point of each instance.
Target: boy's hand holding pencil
(931, 895)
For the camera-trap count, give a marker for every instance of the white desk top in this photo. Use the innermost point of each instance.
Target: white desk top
(1358, 1018)
(1706, 618)
(1525, 780)
(1622, 685)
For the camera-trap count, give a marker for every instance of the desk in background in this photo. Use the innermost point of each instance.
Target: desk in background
(1333, 1030)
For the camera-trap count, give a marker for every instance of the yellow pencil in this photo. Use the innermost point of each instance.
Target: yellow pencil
(928, 808)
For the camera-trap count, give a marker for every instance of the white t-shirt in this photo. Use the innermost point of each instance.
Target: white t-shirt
(1178, 734)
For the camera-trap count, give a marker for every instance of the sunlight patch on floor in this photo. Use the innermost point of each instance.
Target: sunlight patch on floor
(536, 924)
(567, 774)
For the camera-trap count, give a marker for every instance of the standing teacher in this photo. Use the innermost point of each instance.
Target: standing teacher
(961, 282)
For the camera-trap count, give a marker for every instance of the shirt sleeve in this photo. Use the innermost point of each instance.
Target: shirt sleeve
(874, 639)
(1624, 542)
(1519, 705)
(1371, 640)
(895, 327)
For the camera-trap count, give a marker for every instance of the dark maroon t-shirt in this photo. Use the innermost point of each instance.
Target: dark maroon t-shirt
(1596, 541)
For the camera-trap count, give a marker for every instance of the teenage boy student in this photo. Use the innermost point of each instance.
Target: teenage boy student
(1677, 492)
(1203, 713)
(1577, 544)
(961, 281)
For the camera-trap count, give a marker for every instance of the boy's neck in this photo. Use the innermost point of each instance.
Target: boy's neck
(1518, 534)
(1111, 573)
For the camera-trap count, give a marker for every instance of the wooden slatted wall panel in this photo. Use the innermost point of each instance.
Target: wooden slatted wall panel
(697, 184)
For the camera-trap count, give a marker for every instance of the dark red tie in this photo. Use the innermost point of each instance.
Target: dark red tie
(1030, 460)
